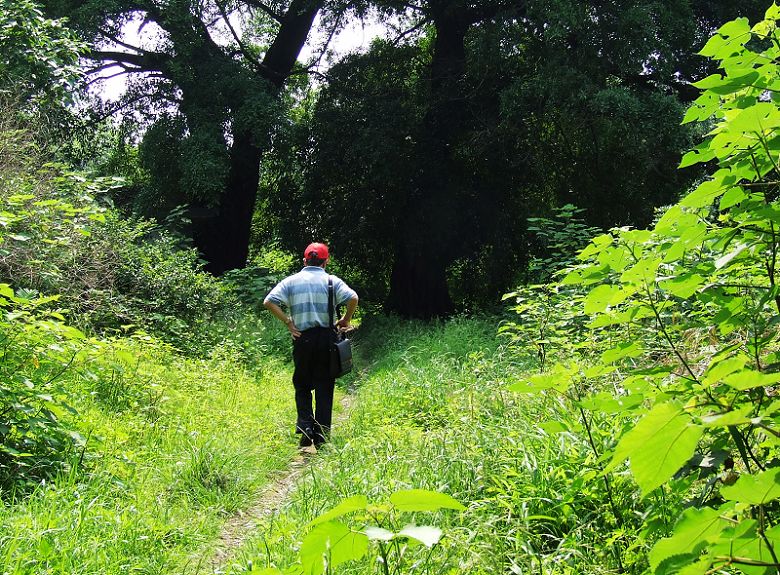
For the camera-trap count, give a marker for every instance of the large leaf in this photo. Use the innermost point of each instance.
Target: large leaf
(749, 379)
(683, 286)
(425, 534)
(354, 503)
(755, 489)
(621, 351)
(660, 444)
(743, 541)
(331, 544)
(600, 297)
(695, 526)
(704, 195)
(378, 533)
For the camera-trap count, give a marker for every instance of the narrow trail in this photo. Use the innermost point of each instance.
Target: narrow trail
(241, 526)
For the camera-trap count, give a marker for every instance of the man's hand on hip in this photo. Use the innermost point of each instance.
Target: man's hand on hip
(294, 331)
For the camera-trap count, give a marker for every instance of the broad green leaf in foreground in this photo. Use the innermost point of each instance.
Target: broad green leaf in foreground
(755, 489)
(660, 444)
(425, 534)
(354, 503)
(748, 379)
(600, 297)
(744, 541)
(331, 544)
(695, 526)
(423, 500)
(378, 533)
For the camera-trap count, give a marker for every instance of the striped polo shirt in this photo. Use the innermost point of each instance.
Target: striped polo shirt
(305, 295)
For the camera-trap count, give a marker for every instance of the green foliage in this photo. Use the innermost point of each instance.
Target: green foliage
(109, 271)
(59, 236)
(681, 343)
(331, 543)
(38, 56)
(37, 350)
(549, 319)
(548, 109)
(251, 284)
(556, 240)
(197, 440)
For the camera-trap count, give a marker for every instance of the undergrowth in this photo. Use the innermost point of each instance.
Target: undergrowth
(173, 447)
(433, 412)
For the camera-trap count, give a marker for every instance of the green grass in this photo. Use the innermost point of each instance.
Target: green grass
(433, 412)
(176, 445)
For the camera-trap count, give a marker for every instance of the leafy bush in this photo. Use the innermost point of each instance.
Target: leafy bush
(680, 354)
(252, 284)
(38, 56)
(556, 240)
(109, 271)
(37, 349)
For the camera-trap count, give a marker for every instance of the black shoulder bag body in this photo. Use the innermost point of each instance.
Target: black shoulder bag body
(340, 346)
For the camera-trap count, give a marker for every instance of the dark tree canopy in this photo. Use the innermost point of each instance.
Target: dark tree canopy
(422, 159)
(210, 94)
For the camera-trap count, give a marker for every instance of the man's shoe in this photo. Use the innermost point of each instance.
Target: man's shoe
(307, 437)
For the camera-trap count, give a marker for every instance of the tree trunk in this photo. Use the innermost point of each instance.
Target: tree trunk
(431, 238)
(223, 239)
(418, 286)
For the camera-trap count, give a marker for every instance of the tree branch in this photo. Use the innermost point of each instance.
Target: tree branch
(148, 62)
(324, 47)
(244, 50)
(122, 105)
(409, 31)
(119, 42)
(112, 76)
(265, 9)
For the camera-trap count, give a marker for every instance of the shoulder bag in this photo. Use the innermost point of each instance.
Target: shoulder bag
(340, 346)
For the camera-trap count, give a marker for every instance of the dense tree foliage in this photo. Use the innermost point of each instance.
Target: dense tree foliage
(38, 56)
(210, 93)
(422, 158)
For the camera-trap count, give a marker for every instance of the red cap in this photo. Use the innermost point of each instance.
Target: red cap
(316, 250)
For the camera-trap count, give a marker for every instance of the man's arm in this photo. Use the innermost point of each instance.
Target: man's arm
(347, 317)
(283, 317)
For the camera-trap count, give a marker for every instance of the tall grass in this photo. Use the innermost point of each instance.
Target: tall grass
(180, 444)
(176, 445)
(433, 412)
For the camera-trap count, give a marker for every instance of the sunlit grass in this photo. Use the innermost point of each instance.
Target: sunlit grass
(433, 412)
(175, 447)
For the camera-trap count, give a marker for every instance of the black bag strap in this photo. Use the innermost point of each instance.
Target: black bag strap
(330, 301)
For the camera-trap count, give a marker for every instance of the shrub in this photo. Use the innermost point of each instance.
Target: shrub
(678, 369)
(36, 350)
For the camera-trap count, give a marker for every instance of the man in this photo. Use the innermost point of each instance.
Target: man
(305, 296)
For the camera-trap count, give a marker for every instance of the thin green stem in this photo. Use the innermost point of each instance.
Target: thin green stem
(607, 484)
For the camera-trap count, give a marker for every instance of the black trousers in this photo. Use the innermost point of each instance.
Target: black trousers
(311, 355)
